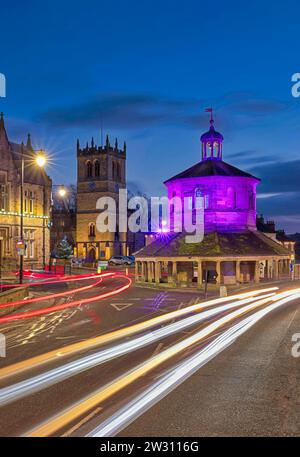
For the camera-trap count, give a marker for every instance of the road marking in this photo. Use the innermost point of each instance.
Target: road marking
(120, 306)
(82, 422)
(158, 349)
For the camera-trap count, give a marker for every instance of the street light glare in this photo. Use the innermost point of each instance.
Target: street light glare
(62, 192)
(41, 160)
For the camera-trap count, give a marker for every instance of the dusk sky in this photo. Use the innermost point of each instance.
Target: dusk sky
(146, 70)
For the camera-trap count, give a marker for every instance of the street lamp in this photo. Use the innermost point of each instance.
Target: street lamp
(62, 191)
(40, 160)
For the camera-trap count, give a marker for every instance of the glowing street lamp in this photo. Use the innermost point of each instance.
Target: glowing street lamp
(40, 161)
(62, 192)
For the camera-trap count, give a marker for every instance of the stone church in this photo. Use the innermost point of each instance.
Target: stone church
(37, 203)
(101, 172)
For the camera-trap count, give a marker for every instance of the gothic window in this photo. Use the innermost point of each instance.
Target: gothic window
(31, 202)
(89, 169)
(92, 229)
(118, 172)
(30, 243)
(113, 170)
(97, 168)
(3, 198)
(25, 208)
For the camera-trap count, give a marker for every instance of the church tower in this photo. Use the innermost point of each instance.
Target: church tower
(101, 172)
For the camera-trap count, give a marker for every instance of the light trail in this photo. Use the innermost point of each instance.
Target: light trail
(60, 420)
(44, 380)
(51, 296)
(41, 359)
(180, 373)
(51, 309)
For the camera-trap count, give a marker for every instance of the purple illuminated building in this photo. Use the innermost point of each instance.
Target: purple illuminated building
(232, 247)
(229, 193)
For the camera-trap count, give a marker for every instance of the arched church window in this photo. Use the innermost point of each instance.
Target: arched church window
(92, 229)
(118, 172)
(251, 200)
(231, 198)
(113, 170)
(97, 168)
(89, 169)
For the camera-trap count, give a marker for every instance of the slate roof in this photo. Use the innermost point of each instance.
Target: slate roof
(214, 244)
(211, 167)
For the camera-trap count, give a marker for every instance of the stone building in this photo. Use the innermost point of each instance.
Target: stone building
(37, 203)
(101, 172)
(232, 247)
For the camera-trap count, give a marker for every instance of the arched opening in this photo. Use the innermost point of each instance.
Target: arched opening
(92, 229)
(97, 168)
(91, 256)
(89, 169)
(231, 198)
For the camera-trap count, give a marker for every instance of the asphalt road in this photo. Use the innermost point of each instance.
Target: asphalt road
(193, 408)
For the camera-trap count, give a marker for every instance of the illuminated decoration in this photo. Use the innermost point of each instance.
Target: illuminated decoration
(16, 213)
(229, 193)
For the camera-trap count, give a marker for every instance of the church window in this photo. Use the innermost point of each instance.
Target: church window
(231, 198)
(30, 243)
(89, 169)
(113, 170)
(3, 198)
(97, 168)
(118, 172)
(31, 202)
(92, 229)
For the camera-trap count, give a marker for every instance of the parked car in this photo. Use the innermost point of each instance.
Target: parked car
(131, 257)
(120, 260)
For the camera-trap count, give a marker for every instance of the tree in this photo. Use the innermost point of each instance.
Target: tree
(64, 249)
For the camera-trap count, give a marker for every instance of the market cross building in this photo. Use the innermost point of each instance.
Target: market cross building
(232, 246)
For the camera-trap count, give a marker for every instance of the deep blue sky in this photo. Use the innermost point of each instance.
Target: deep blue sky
(148, 69)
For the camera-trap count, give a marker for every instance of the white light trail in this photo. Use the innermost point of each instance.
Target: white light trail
(44, 380)
(61, 419)
(178, 374)
(73, 348)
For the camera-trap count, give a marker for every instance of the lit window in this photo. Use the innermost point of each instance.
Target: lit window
(31, 202)
(3, 198)
(30, 244)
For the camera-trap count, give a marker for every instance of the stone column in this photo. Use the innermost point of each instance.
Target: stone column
(143, 272)
(150, 271)
(137, 278)
(199, 279)
(218, 270)
(157, 272)
(256, 273)
(238, 271)
(276, 275)
(174, 271)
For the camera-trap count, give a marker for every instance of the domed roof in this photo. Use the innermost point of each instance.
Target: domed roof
(212, 134)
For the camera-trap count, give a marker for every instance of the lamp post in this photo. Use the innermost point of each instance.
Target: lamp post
(40, 161)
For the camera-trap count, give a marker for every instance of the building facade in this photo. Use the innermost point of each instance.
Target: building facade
(232, 248)
(37, 204)
(101, 172)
